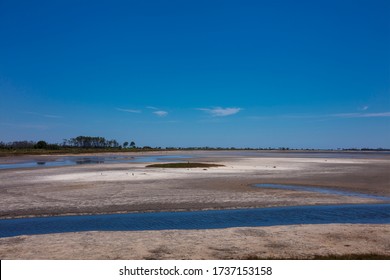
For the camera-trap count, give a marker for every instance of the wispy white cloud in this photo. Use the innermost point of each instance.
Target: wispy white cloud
(161, 113)
(362, 115)
(220, 112)
(364, 108)
(129, 110)
(157, 111)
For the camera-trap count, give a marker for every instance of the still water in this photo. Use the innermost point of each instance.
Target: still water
(69, 161)
(212, 219)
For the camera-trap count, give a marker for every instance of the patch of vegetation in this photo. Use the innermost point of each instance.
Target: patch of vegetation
(184, 165)
(353, 257)
(371, 256)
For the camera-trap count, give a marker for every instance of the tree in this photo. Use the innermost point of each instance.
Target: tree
(125, 144)
(132, 144)
(41, 145)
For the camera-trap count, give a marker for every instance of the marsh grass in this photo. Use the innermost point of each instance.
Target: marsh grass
(184, 165)
(368, 256)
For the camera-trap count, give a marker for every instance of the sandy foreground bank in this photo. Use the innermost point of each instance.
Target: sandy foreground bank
(298, 241)
(131, 187)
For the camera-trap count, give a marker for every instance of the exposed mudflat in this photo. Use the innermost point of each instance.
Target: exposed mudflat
(130, 187)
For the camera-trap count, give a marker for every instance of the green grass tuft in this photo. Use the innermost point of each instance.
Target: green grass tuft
(184, 165)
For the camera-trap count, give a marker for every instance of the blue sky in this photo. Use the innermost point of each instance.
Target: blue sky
(299, 74)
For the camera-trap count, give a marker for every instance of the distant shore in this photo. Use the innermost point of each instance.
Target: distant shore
(91, 151)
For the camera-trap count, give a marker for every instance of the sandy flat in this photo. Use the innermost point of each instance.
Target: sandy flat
(131, 187)
(297, 241)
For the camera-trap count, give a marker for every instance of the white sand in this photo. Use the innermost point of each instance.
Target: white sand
(131, 172)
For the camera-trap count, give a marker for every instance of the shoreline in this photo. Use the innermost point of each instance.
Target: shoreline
(10, 157)
(72, 214)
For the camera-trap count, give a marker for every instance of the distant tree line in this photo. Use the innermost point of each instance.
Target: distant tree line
(82, 142)
(27, 145)
(90, 142)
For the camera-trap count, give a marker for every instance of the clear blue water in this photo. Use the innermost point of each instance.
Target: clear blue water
(69, 161)
(321, 190)
(213, 219)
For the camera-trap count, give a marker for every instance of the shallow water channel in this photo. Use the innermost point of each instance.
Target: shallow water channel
(78, 160)
(190, 220)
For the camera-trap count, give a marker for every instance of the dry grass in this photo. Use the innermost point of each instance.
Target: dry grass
(371, 256)
(185, 165)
